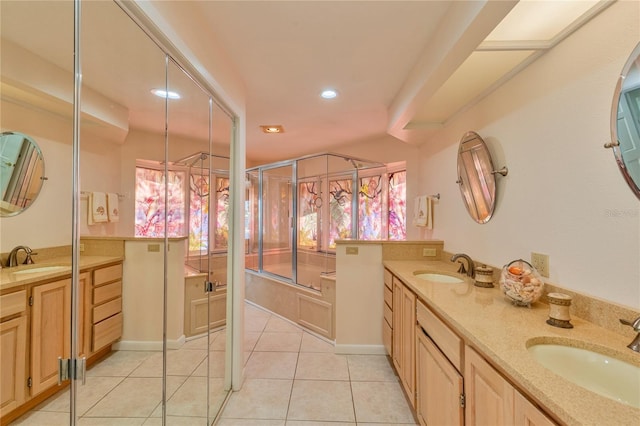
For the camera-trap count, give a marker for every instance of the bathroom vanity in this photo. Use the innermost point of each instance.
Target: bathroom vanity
(35, 315)
(461, 353)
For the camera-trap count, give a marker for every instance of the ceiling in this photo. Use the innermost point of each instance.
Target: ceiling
(402, 69)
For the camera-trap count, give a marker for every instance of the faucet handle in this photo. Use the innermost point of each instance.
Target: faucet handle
(28, 260)
(635, 324)
(462, 269)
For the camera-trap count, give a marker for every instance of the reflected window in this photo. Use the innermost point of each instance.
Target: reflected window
(150, 203)
(198, 213)
(221, 224)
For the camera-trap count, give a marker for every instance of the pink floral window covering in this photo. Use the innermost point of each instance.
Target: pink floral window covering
(370, 208)
(340, 209)
(397, 219)
(150, 203)
(222, 213)
(199, 213)
(310, 201)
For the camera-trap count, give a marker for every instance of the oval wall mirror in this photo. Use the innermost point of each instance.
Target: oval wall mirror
(21, 172)
(625, 122)
(476, 177)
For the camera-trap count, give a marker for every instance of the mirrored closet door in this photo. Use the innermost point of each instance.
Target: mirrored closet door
(141, 292)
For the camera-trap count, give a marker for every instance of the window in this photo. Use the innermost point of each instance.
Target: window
(370, 208)
(341, 195)
(310, 201)
(397, 205)
(150, 203)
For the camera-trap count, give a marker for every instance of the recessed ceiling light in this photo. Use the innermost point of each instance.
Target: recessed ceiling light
(329, 94)
(277, 128)
(164, 94)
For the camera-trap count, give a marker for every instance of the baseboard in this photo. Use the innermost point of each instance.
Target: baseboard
(360, 349)
(145, 345)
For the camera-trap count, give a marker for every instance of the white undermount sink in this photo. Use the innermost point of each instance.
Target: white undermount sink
(437, 277)
(602, 374)
(42, 269)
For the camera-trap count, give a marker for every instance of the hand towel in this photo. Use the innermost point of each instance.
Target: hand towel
(113, 212)
(429, 213)
(420, 211)
(97, 207)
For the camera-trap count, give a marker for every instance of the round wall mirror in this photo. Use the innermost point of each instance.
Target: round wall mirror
(21, 172)
(476, 177)
(625, 122)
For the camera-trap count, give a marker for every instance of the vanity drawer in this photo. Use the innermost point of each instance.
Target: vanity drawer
(388, 297)
(106, 310)
(107, 331)
(388, 315)
(388, 280)
(448, 342)
(105, 275)
(107, 292)
(13, 303)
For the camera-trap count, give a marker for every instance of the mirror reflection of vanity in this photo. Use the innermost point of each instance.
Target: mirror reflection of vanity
(476, 177)
(21, 172)
(625, 122)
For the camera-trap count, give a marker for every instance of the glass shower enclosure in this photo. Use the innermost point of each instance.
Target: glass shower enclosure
(297, 209)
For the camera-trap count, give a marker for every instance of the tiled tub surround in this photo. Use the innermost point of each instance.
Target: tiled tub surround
(501, 332)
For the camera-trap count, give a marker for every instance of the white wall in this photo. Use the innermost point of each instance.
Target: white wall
(564, 195)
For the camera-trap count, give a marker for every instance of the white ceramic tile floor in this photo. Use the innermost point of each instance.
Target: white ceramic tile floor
(292, 378)
(125, 388)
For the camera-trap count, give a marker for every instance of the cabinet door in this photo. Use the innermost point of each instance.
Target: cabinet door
(439, 386)
(528, 414)
(408, 342)
(50, 336)
(84, 314)
(13, 347)
(489, 397)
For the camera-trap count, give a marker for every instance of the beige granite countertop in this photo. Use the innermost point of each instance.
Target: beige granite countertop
(500, 331)
(9, 279)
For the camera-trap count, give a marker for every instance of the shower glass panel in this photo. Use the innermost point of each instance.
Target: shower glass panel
(322, 195)
(277, 248)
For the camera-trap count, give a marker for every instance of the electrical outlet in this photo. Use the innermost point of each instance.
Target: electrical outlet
(428, 252)
(81, 247)
(541, 263)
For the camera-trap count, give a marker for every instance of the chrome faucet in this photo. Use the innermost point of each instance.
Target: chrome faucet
(635, 344)
(470, 270)
(12, 260)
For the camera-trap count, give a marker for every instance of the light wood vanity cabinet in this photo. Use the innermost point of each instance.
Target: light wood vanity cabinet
(50, 335)
(439, 384)
(35, 330)
(197, 318)
(387, 322)
(491, 399)
(13, 347)
(404, 324)
(446, 381)
(106, 308)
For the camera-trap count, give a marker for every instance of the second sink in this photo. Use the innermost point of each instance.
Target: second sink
(41, 269)
(437, 277)
(602, 374)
